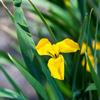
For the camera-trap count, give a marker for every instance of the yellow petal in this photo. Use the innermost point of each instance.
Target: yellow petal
(68, 46)
(83, 49)
(67, 3)
(54, 50)
(92, 62)
(56, 67)
(43, 46)
(97, 45)
(87, 65)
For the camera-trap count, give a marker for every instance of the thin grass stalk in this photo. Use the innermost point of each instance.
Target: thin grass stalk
(43, 19)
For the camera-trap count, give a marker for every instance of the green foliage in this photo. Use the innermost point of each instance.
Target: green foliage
(78, 21)
(10, 94)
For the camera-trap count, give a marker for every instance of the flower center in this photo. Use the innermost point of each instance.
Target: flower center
(56, 56)
(54, 51)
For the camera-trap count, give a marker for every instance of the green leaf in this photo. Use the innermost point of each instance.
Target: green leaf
(49, 92)
(65, 22)
(43, 19)
(82, 7)
(65, 89)
(24, 38)
(76, 66)
(95, 51)
(13, 83)
(26, 45)
(91, 87)
(7, 93)
(51, 82)
(7, 10)
(95, 77)
(33, 82)
(4, 56)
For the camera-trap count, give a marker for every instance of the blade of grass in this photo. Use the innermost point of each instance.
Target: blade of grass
(94, 75)
(43, 19)
(50, 80)
(96, 9)
(87, 41)
(55, 16)
(24, 38)
(95, 58)
(80, 41)
(88, 27)
(64, 88)
(82, 7)
(7, 10)
(33, 82)
(13, 83)
(4, 55)
(7, 93)
(20, 31)
(49, 92)
(91, 87)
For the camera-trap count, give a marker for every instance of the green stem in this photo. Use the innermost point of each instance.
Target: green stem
(13, 83)
(95, 61)
(8, 11)
(43, 19)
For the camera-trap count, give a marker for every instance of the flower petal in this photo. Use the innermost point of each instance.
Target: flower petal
(56, 67)
(97, 45)
(87, 65)
(92, 62)
(68, 46)
(43, 46)
(83, 49)
(54, 50)
(67, 3)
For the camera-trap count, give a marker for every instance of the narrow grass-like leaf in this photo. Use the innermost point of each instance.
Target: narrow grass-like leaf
(49, 92)
(91, 87)
(65, 22)
(4, 55)
(77, 55)
(83, 31)
(13, 83)
(95, 56)
(7, 10)
(82, 7)
(24, 37)
(94, 75)
(33, 82)
(43, 19)
(7, 93)
(50, 80)
(64, 88)
(96, 9)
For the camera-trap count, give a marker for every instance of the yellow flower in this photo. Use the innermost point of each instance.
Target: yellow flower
(88, 49)
(89, 54)
(56, 63)
(83, 49)
(67, 3)
(87, 65)
(97, 45)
